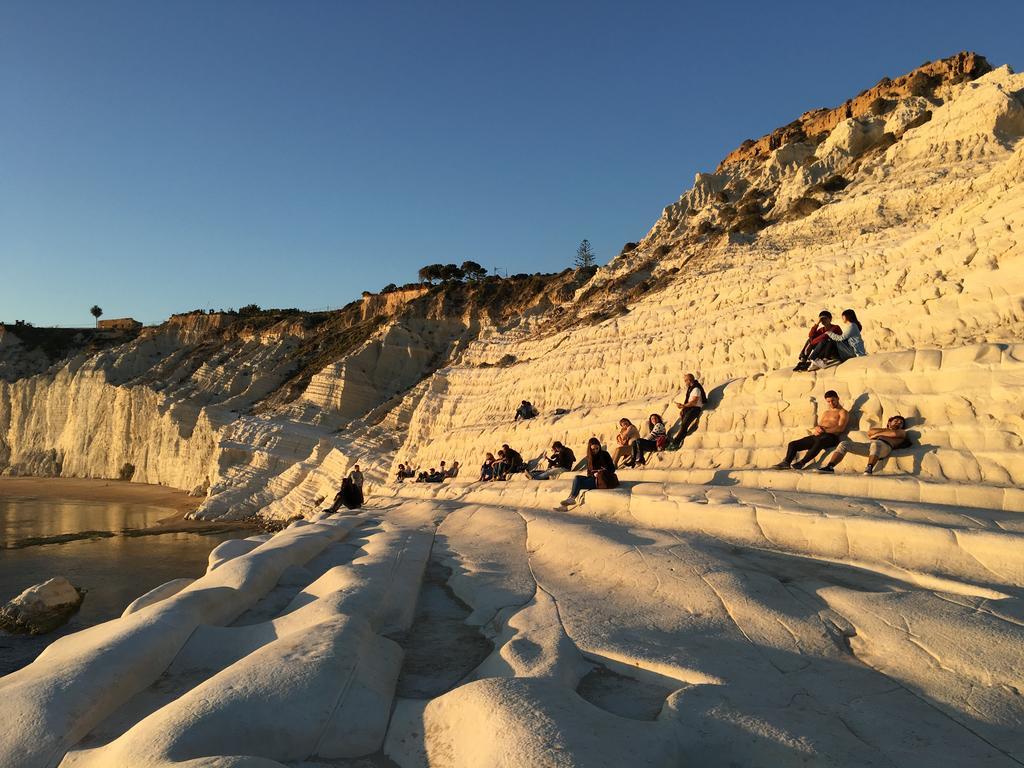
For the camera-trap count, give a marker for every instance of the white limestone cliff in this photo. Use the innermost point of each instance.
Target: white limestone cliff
(709, 611)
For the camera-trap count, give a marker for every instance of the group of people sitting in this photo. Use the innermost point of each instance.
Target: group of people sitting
(827, 344)
(828, 433)
(508, 462)
(433, 475)
(831, 426)
(632, 449)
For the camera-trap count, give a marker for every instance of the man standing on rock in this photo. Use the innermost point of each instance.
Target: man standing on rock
(690, 409)
(831, 426)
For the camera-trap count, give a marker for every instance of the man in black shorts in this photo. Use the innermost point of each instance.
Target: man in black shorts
(831, 426)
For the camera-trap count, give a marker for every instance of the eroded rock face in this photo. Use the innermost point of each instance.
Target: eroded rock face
(925, 81)
(42, 607)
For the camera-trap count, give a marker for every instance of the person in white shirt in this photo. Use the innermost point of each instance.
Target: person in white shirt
(690, 409)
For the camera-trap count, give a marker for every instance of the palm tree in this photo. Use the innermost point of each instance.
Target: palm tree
(96, 312)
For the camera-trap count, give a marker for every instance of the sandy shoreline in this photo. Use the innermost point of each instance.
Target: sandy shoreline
(177, 503)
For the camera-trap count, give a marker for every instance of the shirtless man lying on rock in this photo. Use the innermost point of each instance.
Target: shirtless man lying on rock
(881, 442)
(825, 435)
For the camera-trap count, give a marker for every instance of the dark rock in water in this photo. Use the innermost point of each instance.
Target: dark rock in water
(42, 608)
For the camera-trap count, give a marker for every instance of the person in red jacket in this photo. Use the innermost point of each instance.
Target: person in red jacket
(818, 333)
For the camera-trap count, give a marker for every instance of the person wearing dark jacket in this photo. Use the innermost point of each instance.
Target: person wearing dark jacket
(511, 461)
(525, 411)
(561, 459)
(600, 472)
(690, 409)
(349, 495)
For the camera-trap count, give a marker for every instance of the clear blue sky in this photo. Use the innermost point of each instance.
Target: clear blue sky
(159, 157)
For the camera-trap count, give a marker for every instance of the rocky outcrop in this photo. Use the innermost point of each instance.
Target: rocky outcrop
(928, 82)
(42, 607)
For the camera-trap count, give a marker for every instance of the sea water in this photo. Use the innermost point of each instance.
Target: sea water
(39, 540)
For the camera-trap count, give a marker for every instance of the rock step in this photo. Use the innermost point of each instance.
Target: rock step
(980, 546)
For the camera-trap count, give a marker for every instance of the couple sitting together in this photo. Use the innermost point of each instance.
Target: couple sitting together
(828, 433)
(828, 344)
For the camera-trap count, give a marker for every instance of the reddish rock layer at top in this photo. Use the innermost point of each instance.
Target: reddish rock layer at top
(813, 125)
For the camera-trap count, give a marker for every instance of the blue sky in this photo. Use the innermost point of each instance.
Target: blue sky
(159, 157)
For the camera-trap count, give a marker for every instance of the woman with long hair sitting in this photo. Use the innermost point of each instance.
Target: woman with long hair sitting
(642, 445)
(600, 472)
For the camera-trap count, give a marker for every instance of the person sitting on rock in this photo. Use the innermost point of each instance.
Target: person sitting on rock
(487, 468)
(525, 411)
(881, 443)
(509, 462)
(817, 334)
(849, 343)
(690, 409)
(655, 433)
(453, 470)
(600, 472)
(347, 496)
(624, 439)
(830, 428)
(561, 459)
(401, 475)
(434, 476)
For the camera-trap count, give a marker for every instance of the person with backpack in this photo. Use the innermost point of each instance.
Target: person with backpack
(655, 434)
(600, 473)
(826, 434)
(690, 409)
(881, 443)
